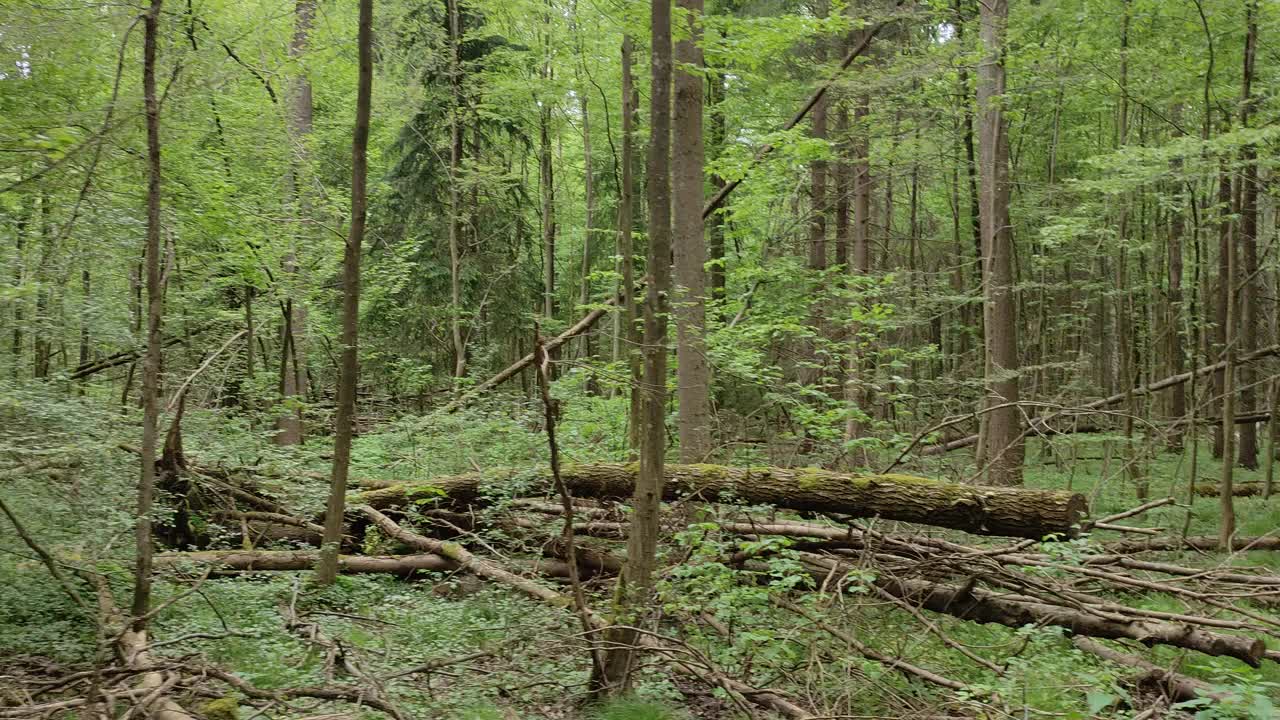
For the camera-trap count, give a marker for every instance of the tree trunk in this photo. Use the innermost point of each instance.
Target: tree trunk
(692, 371)
(635, 586)
(983, 510)
(155, 312)
(716, 244)
(632, 336)
(327, 567)
(267, 560)
(1227, 520)
(1248, 448)
(299, 112)
(455, 191)
(1004, 434)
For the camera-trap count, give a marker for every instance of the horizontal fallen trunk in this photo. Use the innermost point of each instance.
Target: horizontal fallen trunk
(1246, 489)
(1207, 543)
(1176, 686)
(968, 602)
(274, 560)
(1015, 512)
(1041, 424)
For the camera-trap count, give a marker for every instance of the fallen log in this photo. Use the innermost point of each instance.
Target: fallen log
(276, 560)
(577, 329)
(1245, 489)
(1175, 686)
(1208, 543)
(1040, 424)
(1015, 512)
(127, 356)
(969, 602)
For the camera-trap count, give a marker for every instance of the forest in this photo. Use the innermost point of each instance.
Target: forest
(639, 359)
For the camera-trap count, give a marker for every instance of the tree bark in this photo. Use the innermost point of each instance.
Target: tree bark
(632, 336)
(155, 314)
(982, 510)
(693, 374)
(327, 567)
(635, 586)
(1248, 447)
(1004, 435)
(455, 191)
(293, 377)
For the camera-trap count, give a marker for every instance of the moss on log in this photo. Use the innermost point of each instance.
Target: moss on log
(1014, 512)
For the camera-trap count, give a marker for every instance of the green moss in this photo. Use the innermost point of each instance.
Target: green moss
(709, 471)
(224, 708)
(808, 478)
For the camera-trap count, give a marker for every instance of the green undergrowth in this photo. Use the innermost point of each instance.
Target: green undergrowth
(532, 667)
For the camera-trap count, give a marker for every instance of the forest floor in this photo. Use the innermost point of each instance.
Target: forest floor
(502, 655)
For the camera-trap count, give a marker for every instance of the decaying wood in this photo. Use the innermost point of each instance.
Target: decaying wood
(269, 560)
(1176, 686)
(970, 602)
(1195, 542)
(1014, 512)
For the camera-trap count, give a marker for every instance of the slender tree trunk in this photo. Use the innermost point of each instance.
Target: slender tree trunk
(1226, 489)
(327, 567)
(1004, 434)
(589, 200)
(455, 191)
(635, 586)
(41, 334)
(144, 551)
(632, 336)
(693, 374)
(857, 398)
(1248, 450)
(716, 242)
(1222, 292)
(1175, 347)
(546, 183)
(20, 246)
(293, 378)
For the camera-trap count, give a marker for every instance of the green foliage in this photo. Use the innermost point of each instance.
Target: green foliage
(634, 709)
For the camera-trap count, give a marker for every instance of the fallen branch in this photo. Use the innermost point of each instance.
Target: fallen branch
(1040, 424)
(969, 602)
(577, 329)
(1175, 686)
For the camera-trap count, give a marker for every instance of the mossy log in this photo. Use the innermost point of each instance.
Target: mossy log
(1238, 490)
(1014, 512)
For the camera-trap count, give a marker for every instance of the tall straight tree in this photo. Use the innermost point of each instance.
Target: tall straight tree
(631, 338)
(455, 190)
(635, 585)
(687, 157)
(155, 314)
(299, 112)
(1248, 449)
(327, 567)
(1003, 432)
